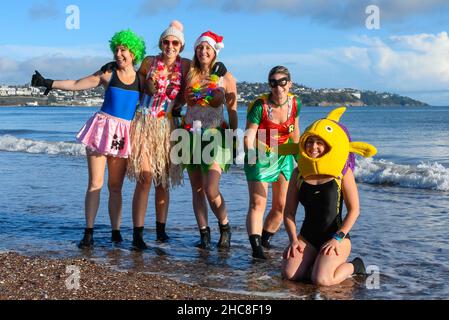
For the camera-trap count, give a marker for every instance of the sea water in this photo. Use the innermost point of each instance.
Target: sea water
(401, 233)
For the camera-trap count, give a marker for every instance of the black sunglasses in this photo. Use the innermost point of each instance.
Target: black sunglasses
(175, 43)
(280, 82)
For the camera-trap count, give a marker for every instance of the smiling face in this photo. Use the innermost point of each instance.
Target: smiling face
(280, 86)
(316, 147)
(205, 53)
(171, 46)
(123, 57)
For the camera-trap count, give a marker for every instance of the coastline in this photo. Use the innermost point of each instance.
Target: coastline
(35, 278)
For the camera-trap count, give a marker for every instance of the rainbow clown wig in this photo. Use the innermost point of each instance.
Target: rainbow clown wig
(132, 41)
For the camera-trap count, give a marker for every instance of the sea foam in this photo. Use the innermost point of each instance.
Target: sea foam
(432, 176)
(13, 144)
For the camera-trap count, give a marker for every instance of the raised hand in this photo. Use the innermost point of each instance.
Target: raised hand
(219, 69)
(108, 67)
(37, 80)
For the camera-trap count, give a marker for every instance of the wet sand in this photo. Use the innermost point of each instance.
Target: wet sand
(34, 278)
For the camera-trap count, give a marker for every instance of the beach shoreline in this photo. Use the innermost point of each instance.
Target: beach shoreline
(36, 278)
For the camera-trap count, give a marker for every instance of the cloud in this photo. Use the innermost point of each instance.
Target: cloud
(24, 52)
(7, 65)
(17, 63)
(153, 7)
(415, 65)
(54, 67)
(341, 14)
(43, 11)
(412, 62)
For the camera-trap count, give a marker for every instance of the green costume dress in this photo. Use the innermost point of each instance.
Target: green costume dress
(270, 165)
(211, 142)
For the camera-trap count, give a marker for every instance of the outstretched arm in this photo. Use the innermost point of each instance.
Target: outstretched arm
(86, 83)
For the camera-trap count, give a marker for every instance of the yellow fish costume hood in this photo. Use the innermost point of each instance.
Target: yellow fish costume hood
(340, 155)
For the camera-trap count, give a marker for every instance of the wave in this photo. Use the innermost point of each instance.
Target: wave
(25, 131)
(431, 176)
(13, 144)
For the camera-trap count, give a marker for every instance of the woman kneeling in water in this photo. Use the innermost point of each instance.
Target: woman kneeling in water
(323, 179)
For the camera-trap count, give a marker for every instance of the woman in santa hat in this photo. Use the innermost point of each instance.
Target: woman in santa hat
(206, 96)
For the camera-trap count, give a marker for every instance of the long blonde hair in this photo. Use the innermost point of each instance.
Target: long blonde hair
(195, 69)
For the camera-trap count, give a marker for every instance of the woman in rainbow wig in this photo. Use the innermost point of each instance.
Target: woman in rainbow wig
(106, 133)
(272, 119)
(206, 96)
(323, 180)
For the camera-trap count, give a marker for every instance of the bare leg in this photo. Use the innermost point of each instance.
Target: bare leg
(211, 185)
(332, 269)
(96, 164)
(198, 198)
(116, 175)
(161, 204)
(140, 197)
(299, 267)
(200, 207)
(162, 200)
(139, 209)
(258, 192)
(276, 215)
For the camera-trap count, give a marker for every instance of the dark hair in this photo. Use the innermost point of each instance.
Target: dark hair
(279, 69)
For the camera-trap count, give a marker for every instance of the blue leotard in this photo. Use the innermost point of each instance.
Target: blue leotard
(120, 100)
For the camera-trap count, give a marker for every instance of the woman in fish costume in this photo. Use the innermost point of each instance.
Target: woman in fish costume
(323, 180)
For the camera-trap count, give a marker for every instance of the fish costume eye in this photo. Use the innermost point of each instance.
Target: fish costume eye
(334, 162)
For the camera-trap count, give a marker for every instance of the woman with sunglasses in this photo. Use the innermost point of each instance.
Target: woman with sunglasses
(205, 96)
(150, 131)
(106, 133)
(272, 119)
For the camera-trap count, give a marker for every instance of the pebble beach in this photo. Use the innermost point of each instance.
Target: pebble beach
(34, 278)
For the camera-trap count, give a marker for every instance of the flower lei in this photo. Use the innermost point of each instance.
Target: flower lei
(204, 100)
(161, 96)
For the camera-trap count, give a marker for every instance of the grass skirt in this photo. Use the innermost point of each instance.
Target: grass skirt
(150, 143)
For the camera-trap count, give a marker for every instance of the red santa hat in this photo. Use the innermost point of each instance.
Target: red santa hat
(214, 40)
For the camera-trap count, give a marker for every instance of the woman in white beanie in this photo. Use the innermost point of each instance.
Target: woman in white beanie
(205, 96)
(150, 131)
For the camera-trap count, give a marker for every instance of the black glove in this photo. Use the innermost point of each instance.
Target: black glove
(219, 69)
(39, 81)
(110, 66)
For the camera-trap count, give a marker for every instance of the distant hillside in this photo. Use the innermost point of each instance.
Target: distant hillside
(329, 97)
(247, 92)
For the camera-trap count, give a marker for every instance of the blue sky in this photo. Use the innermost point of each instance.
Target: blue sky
(324, 43)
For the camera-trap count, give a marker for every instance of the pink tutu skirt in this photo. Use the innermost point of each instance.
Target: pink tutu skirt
(106, 135)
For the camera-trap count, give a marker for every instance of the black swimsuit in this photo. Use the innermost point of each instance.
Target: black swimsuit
(322, 205)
